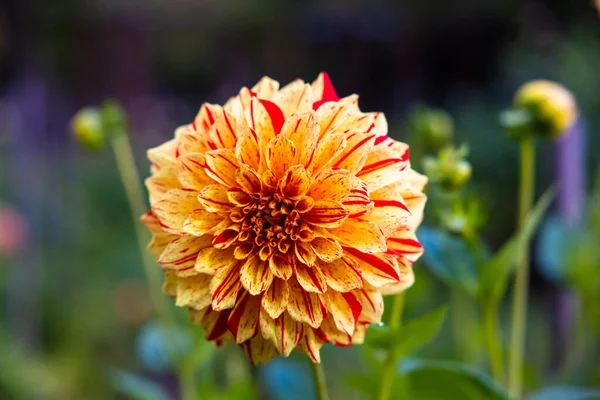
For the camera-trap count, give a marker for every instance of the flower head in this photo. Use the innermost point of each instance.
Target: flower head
(282, 218)
(551, 106)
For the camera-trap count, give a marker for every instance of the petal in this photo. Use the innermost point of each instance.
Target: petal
(210, 260)
(382, 167)
(287, 333)
(330, 114)
(358, 202)
(159, 185)
(311, 345)
(361, 235)
(327, 151)
(303, 130)
(159, 242)
(342, 275)
(323, 88)
(200, 222)
(377, 269)
(225, 285)
(327, 249)
(327, 214)
(388, 215)
(265, 88)
(214, 198)
(304, 306)
(221, 165)
(365, 122)
(247, 178)
(213, 322)
(222, 133)
(281, 155)
(256, 277)
(358, 146)
(205, 118)
(191, 171)
(263, 120)
(163, 156)
(174, 208)
(345, 309)
(247, 151)
(407, 278)
(331, 184)
(405, 243)
(243, 320)
(372, 305)
(180, 255)
(295, 97)
(295, 182)
(275, 299)
(280, 267)
(259, 350)
(415, 201)
(305, 254)
(192, 141)
(311, 279)
(193, 292)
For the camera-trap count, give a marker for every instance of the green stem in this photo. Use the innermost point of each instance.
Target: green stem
(492, 339)
(131, 182)
(320, 382)
(389, 368)
(519, 312)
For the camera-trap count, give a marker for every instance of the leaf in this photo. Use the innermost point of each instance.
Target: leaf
(449, 380)
(494, 275)
(449, 259)
(566, 392)
(409, 336)
(137, 387)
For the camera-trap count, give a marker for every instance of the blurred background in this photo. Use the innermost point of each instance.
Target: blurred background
(73, 302)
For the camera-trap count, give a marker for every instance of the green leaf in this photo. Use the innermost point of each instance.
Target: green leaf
(449, 380)
(494, 274)
(409, 336)
(137, 387)
(566, 392)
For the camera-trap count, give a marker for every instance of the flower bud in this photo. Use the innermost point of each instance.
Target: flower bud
(434, 127)
(86, 127)
(449, 169)
(551, 106)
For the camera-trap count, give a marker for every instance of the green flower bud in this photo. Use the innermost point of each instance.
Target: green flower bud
(113, 117)
(434, 127)
(87, 128)
(449, 169)
(551, 106)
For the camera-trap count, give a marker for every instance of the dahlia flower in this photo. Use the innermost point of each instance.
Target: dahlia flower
(283, 217)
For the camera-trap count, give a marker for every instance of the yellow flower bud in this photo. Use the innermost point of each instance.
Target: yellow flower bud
(553, 108)
(86, 127)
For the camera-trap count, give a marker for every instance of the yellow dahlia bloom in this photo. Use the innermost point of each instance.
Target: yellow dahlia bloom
(281, 218)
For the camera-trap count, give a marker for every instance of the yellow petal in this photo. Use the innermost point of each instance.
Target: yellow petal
(265, 88)
(407, 278)
(310, 278)
(260, 121)
(361, 235)
(248, 179)
(327, 214)
(259, 350)
(288, 333)
(345, 309)
(214, 198)
(302, 129)
(281, 155)
(213, 322)
(305, 254)
(243, 320)
(382, 167)
(358, 146)
(327, 249)
(358, 202)
(221, 165)
(193, 292)
(191, 171)
(225, 285)
(330, 114)
(200, 222)
(180, 255)
(405, 243)
(342, 275)
(159, 242)
(295, 97)
(330, 184)
(280, 267)
(205, 118)
(191, 141)
(304, 306)
(365, 122)
(210, 260)
(247, 150)
(256, 277)
(377, 269)
(163, 156)
(222, 133)
(372, 305)
(295, 182)
(275, 299)
(174, 208)
(415, 201)
(327, 151)
(159, 185)
(311, 345)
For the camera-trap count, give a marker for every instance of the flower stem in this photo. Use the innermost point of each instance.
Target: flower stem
(389, 368)
(492, 339)
(519, 314)
(131, 182)
(320, 382)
